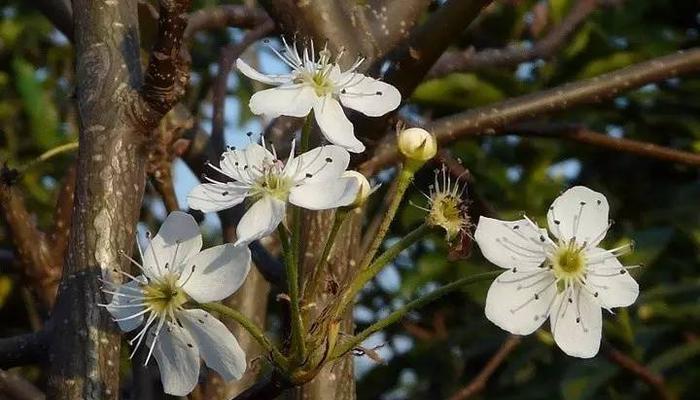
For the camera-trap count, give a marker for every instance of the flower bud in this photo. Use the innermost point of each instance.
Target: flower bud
(417, 144)
(364, 188)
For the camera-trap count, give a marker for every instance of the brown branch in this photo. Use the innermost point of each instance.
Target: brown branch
(479, 382)
(13, 386)
(581, 134)
(167, 73)
(60, 232)
(652, 379)
(495, 117)
(470, 60)
(60, 13)
(40, 269)
(223, 16)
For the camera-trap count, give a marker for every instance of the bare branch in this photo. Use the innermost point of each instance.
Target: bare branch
(490, 119)
(166, 75)
(470, 60)
(479, 382)
(62, 217)
(222, 16)
(29, 348)
(60, 13)
(652, 379)
(15, 387)
(581, 134)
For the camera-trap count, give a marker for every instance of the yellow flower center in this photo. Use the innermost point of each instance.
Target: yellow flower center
(446, 212)
(271, 184)
(569, 262)
(165, 296)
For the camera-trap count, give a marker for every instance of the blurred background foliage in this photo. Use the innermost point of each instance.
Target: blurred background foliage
(439, 349)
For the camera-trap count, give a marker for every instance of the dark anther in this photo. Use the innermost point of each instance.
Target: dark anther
(328, 159)
(200, 321)
(541, 238)
(189, 345)
(599, 202)
(249, 134)
(167, 265)
(225, 193)
(622, 272)
(556, 221)
(343, 91)
(516, 227)
(537, 296)
(266, 41)
(379, 93)
(583, 203)
(221, 158)
(236, 163)
(571, 300)
(595, 294)
(308, 175)
(578, 319)
(515, 270)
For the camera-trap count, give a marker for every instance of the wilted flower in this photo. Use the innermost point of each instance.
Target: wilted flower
(446, 206)
(313, 180)
(417, 144)
(568, 280)
(173, 272)
(318, 84)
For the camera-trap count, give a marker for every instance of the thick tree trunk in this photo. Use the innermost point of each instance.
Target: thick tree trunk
(85, 344)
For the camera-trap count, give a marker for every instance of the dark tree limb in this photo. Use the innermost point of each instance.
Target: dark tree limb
(581, 134)
(222, 16)
(480, 380)
(29, 348)
(655, 381)
(60, 13)
(60, 232)
(490, 119)
(268, 388)
(470, 60)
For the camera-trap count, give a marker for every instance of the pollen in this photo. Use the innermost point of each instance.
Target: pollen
(569, 262)
(164, 296)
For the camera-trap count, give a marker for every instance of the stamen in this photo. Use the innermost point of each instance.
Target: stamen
(155, 338)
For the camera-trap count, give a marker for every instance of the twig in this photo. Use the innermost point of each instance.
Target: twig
(490, 119)
(581, 134)
(28, 348)
(470, 60)
(652, 379)
(222, 16)
(479, 382)
(15, 387)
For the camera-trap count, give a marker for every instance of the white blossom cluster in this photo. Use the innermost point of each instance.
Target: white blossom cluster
(567, 279)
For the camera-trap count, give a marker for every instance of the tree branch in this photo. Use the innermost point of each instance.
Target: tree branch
(60, 13)
(166, 75)
(222, 16)
(490, 119)
(30, 348)
(581, 134)
(479, 382)
(652, 379)
(470, 60)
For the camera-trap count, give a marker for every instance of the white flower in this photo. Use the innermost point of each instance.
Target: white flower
(312, 180)
(175, 271)
(365, 189)
(567, 280)
(318, 85)
(417, 144)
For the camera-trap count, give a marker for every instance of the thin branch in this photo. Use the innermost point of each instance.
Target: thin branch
(60, 13)
(30, 348)
(166, 75)
(581, 134)
(652, 379)
(479, 382)
(17, 388)
(495, 117)
(470, 60)
(60, 232)
(223, 16)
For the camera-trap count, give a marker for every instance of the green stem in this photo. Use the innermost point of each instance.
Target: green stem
(396, 316)
(404, 179)
(372, 270)
(338, 219)
(306, 133)
(252, 329)
(64, 148)
(298, 344)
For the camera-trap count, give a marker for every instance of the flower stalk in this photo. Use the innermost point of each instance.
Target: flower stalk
(254, 331)
(340, 216)
(298, 345)
(396, 316)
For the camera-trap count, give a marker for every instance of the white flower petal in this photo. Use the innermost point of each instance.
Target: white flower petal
(252, 73)
(519, 302)
(210, 197)
(117, 307)
(219, 271)
(179, 237)
(331, 193)
(610, 281)
(291, 100)
(217, 345)
(178, 359)
(579, 213)
(369, 96)
(510, 244)
(318, 165)
(335, 126)
(244, 165)
(577, 322)
(260, 220)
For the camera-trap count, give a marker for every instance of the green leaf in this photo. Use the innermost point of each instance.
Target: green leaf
(42, 115)
(457, 90)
